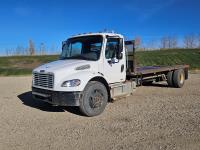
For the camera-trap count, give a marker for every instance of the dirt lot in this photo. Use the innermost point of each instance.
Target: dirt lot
(155, 117)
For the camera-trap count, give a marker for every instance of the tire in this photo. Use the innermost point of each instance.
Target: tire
(94, 100)
(179, 78)
(170, 79)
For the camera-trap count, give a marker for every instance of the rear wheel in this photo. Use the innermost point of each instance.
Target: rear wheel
(94, 99)
(170, 79)
(179, 78)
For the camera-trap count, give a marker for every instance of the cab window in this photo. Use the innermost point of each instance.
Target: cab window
(112, 47)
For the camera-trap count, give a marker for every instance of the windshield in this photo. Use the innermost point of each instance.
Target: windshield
(87, 48)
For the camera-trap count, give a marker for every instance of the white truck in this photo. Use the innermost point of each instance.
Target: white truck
(94, 69)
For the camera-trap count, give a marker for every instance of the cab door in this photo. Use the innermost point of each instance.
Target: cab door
(114, 67)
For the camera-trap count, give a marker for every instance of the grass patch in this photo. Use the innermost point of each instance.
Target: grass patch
(170, 57)
(14, 71)
(22, 65)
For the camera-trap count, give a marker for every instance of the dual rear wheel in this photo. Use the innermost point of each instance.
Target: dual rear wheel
(176, 78)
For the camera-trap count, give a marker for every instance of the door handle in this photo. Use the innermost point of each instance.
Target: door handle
(122, 68)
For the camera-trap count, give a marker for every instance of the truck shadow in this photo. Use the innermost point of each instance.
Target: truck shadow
(27, 100)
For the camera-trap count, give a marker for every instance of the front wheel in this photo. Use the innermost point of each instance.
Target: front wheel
(94, 100)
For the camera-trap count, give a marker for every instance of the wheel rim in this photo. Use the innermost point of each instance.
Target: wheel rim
(96, 99)
(181, 78)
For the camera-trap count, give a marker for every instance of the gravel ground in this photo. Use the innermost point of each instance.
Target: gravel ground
(155, 117)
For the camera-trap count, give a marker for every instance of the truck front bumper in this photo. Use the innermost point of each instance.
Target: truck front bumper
(57, 98)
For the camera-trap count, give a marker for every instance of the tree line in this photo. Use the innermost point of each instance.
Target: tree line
(31, 50)
(190, 41)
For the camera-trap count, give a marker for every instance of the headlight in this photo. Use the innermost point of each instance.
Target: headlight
(71, 83)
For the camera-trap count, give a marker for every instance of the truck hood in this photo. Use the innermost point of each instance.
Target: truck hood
(62, 64)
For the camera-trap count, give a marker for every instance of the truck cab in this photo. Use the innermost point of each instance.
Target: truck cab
(90, 72)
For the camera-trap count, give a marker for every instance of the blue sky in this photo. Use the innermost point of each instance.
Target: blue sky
(52, 21)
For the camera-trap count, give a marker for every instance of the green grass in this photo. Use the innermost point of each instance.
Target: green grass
(23, 65)
(170, 57)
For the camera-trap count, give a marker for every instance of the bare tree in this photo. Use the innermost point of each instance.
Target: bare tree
(138, 43)
(164, 43)
(31, 48)
(169, 42)
(172, 42)
(8, 52)
(42, 49)
(52, 49)
(26, 51)
(198, 41)
(19, 50)
(189, 41)
(152, 44)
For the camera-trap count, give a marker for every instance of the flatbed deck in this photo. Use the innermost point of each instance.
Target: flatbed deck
(156, 69)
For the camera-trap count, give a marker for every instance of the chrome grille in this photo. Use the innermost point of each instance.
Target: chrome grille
(43, 80)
